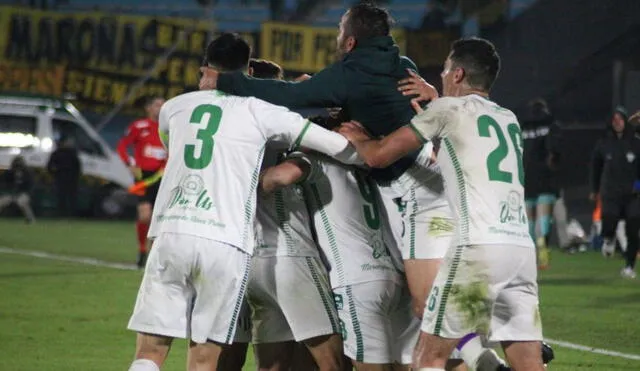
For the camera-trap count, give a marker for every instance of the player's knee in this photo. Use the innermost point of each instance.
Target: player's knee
(144, 213)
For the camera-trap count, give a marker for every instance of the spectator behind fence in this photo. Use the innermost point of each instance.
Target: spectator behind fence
(615, 178)
(18, 181)
(64, 166)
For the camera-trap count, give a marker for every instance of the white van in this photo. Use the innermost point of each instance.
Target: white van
(31, 125)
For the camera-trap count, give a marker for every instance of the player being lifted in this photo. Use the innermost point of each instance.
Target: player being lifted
(148, 160)
(364, 82)
(203, 225)
(488, 280)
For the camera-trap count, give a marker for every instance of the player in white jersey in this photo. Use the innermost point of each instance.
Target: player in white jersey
(488, 281)
(352, 230)
(203, 225)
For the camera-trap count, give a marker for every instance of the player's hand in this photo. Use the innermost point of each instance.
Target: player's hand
(208, 78)
(593, 196)
(303, 77)
(416, 85)
(635, 118)
(353, 131)
(136, 172)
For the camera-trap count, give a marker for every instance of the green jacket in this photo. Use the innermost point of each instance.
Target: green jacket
(364, 83)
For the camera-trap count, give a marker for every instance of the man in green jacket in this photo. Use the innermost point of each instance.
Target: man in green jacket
(364, 83)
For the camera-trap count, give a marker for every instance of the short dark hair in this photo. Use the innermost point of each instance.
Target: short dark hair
(228, 52)
(479, 59)
(367, 20)
(264, 69)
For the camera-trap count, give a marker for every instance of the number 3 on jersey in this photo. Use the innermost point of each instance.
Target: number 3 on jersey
(205, 135)
(502, 151)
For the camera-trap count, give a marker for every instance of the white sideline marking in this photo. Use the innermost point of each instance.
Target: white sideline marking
(73, 259)
(132, 267)
(584, 348)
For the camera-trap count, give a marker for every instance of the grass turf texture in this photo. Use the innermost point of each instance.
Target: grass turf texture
(67, 316)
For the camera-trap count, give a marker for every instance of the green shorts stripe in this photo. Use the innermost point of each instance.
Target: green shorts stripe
(356, 326)
(327, 301)
(447, 289)
(240, 299)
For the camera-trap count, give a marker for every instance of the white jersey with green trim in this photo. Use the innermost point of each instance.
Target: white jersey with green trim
(216, 144)
(350, 223)
(283, 225)
(481, 160)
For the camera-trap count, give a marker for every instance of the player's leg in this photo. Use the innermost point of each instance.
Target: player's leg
(544, 211)
(459, 304)
(632, 228)
(24, 203)
(611, 211)
(221, 271)
(142, 229)
(621, 235)
(515, 315)
(560, 220)
(234, 356)
(420, 274)
(272, 337)
(163, 302)
(303, 360)
(366, 312)
(311, 312)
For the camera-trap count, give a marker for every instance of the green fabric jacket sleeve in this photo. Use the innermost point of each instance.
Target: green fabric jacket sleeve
(327, 88)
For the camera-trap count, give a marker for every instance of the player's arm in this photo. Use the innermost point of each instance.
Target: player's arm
(282, 125)
(327, 88)
(291, 171)
(384, 152)
(124, 143)
(597, 162)
(426, 125)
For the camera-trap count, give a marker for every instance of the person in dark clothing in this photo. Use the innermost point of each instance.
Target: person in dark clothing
(18, 180)
(615, 179)
(64, 166)
(540, 158)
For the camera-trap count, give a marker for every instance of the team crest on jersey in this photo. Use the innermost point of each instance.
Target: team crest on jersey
(630, 157)
(191, 193)
(512, 210)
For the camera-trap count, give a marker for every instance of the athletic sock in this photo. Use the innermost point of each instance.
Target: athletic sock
(470, 348)
(144, 365)
(142, 229)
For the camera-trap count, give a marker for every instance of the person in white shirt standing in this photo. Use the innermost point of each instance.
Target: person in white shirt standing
(487, 282)
(203, 224)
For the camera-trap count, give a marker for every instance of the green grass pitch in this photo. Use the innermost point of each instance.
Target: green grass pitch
(68, 316)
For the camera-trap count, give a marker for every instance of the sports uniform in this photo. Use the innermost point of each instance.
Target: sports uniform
(149, 155)
(351, 227)
(203, 222)
(289, 287)
(488, 279)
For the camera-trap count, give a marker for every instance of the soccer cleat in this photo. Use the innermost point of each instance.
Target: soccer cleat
(608, 248)
(628, 272)
(547, 353)
(142, 259)
(543, 253)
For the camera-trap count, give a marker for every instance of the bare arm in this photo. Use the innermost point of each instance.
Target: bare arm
(384, 152)
(284, 174)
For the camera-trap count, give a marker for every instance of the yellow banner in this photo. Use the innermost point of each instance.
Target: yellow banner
(98, 56)
(305, 48)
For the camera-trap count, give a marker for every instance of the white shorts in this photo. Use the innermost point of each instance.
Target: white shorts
(407, 330)
(490, 289)
(291, 299)
(192, 289)
(373, 320)
(428, 226)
